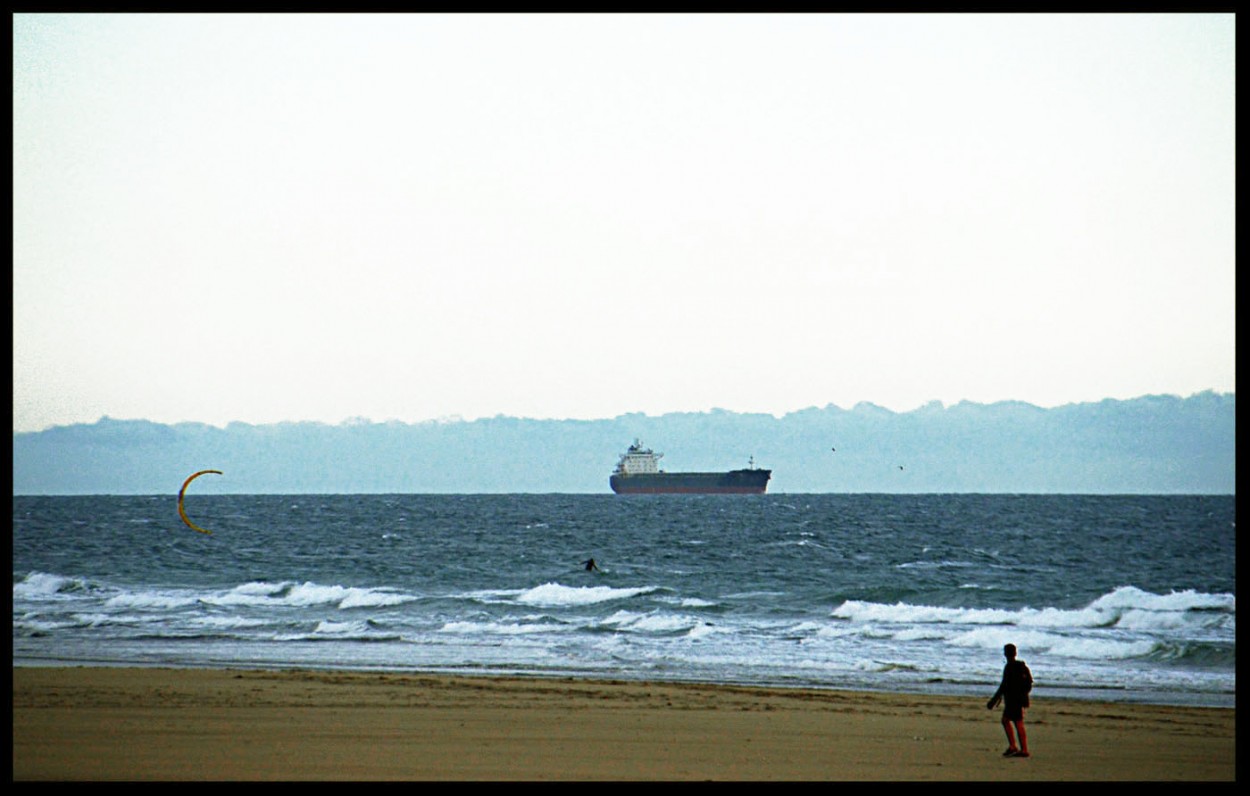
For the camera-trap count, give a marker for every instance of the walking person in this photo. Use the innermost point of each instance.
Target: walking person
(1013, 692)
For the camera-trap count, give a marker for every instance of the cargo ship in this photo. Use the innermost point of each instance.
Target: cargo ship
(638, 473)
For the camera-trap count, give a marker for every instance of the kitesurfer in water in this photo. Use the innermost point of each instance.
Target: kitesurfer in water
(591, 566)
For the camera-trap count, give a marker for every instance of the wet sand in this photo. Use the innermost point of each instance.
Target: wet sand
(97, 723)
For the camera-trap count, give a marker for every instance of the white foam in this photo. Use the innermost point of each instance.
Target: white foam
(308, 594)
(1127, 607)
(554, 594)
(1187, 600)
(152, 600)
(41, 585)
(500, 628)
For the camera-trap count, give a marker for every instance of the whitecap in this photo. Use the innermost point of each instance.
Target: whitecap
(554, 594)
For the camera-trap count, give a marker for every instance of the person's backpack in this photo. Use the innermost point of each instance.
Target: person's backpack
(1026, 678)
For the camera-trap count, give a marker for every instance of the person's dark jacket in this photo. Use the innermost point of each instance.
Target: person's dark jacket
(1016, 685)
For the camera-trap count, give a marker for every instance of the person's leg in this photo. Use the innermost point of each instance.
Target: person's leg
(1011, 739)
(1024, 741)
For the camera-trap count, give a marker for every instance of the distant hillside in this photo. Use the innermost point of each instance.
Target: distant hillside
(1153, 444)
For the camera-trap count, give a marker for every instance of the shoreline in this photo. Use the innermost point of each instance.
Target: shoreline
(954, 690)
(159, 723)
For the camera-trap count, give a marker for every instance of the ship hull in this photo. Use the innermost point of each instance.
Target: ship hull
(734, 482)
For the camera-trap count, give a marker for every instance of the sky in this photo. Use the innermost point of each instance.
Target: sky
(267, 218)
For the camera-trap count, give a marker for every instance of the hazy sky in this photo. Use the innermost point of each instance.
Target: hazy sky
(272, 217)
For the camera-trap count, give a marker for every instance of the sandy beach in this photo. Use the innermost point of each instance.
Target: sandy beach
(95, 723)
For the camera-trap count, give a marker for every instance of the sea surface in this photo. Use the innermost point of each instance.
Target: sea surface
(1121, 598)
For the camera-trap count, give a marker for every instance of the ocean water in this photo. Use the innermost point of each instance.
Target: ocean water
(1122, 598)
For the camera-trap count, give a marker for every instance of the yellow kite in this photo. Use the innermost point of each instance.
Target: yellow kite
(181, 511)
